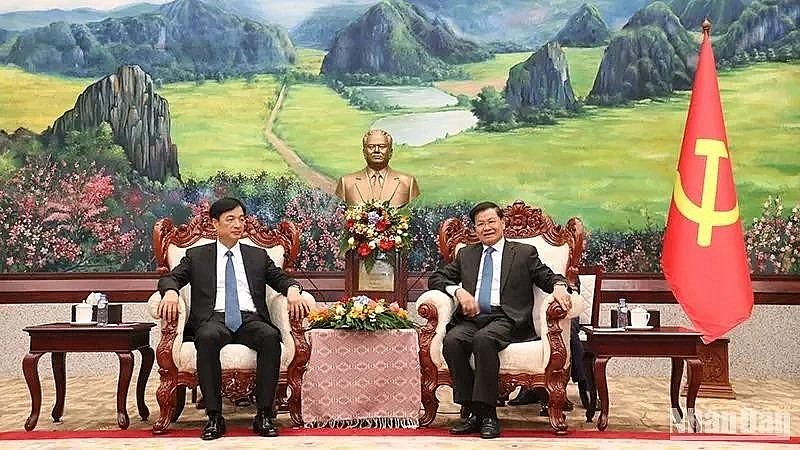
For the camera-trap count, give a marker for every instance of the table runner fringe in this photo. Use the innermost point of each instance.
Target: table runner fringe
(372, 422)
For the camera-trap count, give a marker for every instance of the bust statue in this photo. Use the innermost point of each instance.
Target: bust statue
(377, 181)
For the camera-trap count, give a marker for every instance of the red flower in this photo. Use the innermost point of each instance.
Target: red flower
(350, 223)
(386, 244)
(382, 224)
(364, 250)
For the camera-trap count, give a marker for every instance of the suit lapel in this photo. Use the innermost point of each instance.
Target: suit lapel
(247, 258)
(509, 250)
(212, 251)
(362, 187)
(472, 258)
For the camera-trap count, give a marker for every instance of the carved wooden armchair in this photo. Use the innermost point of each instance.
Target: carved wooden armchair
(539, 363)
(177, 356)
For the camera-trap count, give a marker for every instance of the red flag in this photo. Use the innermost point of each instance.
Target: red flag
(704, 258)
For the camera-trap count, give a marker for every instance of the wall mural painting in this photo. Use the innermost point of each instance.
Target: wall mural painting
(116, 115)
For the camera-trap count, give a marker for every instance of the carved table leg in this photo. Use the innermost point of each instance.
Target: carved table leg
(588, 364)
(600, 363)
(125, 373)
(675, 389)
(695, 375)
(30, 367)
(148, 356)
(60, 377)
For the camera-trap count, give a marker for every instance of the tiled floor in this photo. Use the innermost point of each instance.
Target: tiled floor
(637, 404)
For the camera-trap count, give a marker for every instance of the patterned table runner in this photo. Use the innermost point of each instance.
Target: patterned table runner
(362, 379)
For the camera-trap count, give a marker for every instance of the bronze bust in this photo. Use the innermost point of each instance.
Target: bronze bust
(377, 181)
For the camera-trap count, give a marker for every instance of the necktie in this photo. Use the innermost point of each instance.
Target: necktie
(233, 316)
(485, 294)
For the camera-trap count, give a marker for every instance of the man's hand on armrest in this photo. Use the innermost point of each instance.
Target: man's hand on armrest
(561, 295)
(168, 307)
(298, 308)
(469, 306)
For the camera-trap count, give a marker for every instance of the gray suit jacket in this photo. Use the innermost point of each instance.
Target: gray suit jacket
(520, 270)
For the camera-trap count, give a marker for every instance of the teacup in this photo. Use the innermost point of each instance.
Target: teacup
(83, 313)
(639, 317)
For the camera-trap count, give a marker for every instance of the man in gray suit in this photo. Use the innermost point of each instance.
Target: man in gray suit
(492, 285)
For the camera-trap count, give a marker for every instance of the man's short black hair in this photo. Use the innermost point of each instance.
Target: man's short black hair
(483, 206)
(224, 205)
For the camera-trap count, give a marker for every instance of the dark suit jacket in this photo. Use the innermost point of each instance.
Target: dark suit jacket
(199, 268)
(520, 270)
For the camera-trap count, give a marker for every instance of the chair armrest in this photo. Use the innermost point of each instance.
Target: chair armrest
(171, 333)
(437, 308)
(279, 316)
(556, 323)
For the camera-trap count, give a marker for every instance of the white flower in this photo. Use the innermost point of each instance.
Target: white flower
(351, 241)
(398, 240)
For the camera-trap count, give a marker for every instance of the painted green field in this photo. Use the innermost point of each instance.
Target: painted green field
(220, 127)
(583, 63)
(35, 101)
(309, 60)
(611, 167)
(319, 125)
(215, 126)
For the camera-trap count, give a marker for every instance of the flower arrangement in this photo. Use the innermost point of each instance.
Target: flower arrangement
(361, 313)
(375, 228)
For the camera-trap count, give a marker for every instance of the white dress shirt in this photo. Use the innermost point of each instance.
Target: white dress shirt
(497, 259)
(242, 288)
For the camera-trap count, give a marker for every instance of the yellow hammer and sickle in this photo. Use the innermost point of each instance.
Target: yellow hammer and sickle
(704, 215)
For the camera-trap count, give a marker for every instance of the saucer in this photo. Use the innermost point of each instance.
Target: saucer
(644, 328)
(83, 324)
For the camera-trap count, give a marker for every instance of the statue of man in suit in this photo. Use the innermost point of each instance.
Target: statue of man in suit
(228, 305)
(491, 284)
(377, 181)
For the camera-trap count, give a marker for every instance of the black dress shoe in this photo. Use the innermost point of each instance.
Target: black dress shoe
(214, 427)
(490, 428)
(471, 424)
(526, 397)
(263, 425)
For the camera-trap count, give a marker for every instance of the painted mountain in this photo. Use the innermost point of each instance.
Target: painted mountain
(319, 29)
(520, 22)
(765, 24)
(586, 28)
(22, 20)
(185, 39)
(721, 13)
(651, 56)
(394, 37)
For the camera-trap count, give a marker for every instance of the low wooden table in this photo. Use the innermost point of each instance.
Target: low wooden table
(677, 343)
(60, 338)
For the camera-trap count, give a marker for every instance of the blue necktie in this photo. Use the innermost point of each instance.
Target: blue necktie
(233, 316)
(485, 294)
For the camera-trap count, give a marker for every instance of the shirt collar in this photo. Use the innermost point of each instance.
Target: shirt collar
(383, 172)
(498, 246)
(236, 249)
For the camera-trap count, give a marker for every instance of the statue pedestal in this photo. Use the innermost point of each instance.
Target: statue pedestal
(387, 279)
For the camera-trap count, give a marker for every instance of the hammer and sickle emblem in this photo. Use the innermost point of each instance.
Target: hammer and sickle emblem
(704, 214)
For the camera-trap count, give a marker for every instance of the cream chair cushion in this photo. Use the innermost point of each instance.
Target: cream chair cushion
(233, 356)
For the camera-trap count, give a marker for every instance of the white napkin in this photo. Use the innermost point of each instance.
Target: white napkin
(92, 298)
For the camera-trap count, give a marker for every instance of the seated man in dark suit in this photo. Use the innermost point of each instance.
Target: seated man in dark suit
(228, 305)
(502, 274)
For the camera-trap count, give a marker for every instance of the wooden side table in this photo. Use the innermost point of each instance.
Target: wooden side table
(60, 338)
(677, 343)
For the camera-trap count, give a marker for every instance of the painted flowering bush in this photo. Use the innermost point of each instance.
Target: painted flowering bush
(361, 313)
(373, 228)
(58, 217)
(773, 242)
